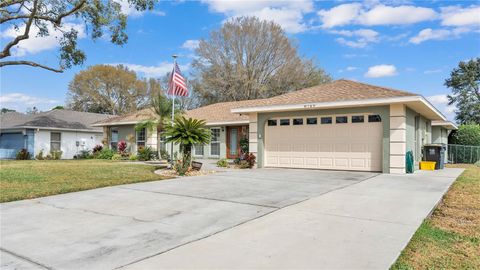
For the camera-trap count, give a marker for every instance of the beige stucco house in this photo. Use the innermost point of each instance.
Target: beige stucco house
(342, 125)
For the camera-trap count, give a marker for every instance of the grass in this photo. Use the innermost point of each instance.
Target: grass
(450, 238)
(35, 178)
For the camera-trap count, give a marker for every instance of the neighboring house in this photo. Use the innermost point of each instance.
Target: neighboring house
(342, 125)
(63, 130)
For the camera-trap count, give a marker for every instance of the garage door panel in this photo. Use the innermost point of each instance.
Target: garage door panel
(348, 146)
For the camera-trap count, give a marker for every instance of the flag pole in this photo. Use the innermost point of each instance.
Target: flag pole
(173, 106)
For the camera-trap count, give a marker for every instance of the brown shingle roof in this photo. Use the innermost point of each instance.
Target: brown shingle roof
(339, 90)
(137, 116)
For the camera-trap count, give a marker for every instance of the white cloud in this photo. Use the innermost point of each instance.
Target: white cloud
(441, 103)
(20, 102)
(362, 37)
(130, 10)
(437, 34)
(381, 71)
(159, 70)
(351, 68)
(288, 14)
(339, 15)
(399, 15)
(36, 44)
(190, 44)
(431, 71)
(374, 15)
(457, 16)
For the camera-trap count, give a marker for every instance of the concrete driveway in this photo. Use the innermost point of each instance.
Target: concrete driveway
(119, 226)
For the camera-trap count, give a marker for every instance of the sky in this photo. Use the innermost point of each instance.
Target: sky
(405, 45)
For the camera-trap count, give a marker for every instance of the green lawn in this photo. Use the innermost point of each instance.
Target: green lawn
(37, 178)
(450, 238)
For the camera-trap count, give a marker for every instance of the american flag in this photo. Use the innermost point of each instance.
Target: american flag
(177, 85)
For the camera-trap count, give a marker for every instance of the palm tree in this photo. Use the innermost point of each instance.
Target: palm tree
(187, 133)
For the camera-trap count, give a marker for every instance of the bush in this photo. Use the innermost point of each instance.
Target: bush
(84, 154)
(132, 157)
(244, 145)
(105, 153)
(39, 156)
(164, 154)
(222, 163)
(250, 159)
(56, 154)
(180, 167)
(145, 153)
(23, 154)
(122, 148)
(467, 135)
(97, 148)
(116, 157)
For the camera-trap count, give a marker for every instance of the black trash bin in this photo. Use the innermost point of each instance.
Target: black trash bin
(435, 152)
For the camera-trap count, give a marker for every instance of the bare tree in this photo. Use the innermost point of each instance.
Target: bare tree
(109, 89)
(43, 17)
(248, 59)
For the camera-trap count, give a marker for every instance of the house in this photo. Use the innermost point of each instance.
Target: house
(342, 125)
(63, 130)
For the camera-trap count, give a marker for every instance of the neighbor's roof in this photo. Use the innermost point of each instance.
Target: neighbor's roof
(445, 124)
(339, 90)
(55, 119)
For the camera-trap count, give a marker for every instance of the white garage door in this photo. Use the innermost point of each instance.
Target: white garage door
(337, 142)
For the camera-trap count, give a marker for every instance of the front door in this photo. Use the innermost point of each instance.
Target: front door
(233, 142)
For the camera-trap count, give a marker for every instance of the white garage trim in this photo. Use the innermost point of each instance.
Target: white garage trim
(335, 146)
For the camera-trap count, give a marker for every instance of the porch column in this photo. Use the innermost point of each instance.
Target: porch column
(253, 134)
(106, 136)
(398, 138)
(152, 138)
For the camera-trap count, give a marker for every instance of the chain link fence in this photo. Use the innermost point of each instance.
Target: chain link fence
(463, 153)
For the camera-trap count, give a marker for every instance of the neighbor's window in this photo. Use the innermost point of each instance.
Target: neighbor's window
(272, 122)
(198, 150)
(358, 119)
(113, 139)
(215, 142)
(374, 118)
(326, 120)
(297, 121)
(284, 122)
(311, 121)
(55, 141)
(141, 137)
(341, 119)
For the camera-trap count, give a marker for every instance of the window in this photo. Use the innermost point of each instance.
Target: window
(374, 118)
(297, 121)
(358, 119)
(198, 150)
(141, 136)
(311, 121)
(55, 141)
(326, 120)
(272, 122)
(284, 122)
(215, 142)
(113, 139)
(341, 119)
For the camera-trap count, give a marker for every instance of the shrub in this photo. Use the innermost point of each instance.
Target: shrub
(56, 154)
(237, 161)
(122, 146)
(39, 156)
(250, 159)
(105, 153)
(180, 167)
(97, 148)
(164, 154)
(116, 157)
(244, 145)
(145, 153)
(243, 164)
(84, 154)
(23, 154)
(467, 135)
(222, 162)
(132, 157)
